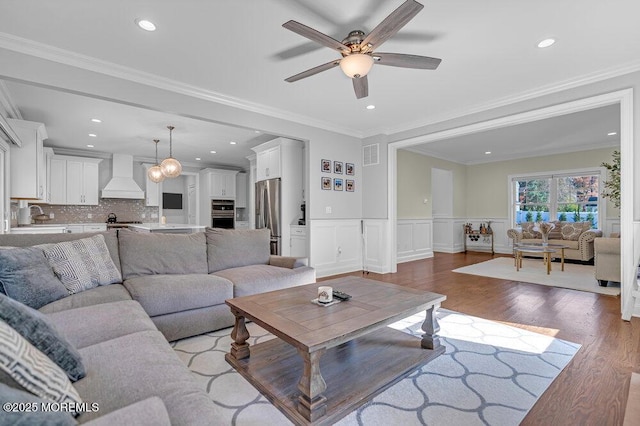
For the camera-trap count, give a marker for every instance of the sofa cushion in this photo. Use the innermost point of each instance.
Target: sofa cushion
(25, 275)
(41, 333)
(156, 253)
(82, 264)
(94, 324)
(24, 417)
(165, 294)
(137, 366)
(573, 230)
(94, 296)
(25, 240)
(149, 412)
(253, 279)
(231, 248)
(33, 370)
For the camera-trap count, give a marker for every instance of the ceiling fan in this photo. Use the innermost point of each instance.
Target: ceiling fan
(357, 49)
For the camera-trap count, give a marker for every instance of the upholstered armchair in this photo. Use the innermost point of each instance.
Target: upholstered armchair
(607, 260)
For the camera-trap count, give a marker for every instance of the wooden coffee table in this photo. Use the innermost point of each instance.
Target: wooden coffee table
(329, 360)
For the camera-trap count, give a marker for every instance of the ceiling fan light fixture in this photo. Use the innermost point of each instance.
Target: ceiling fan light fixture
(356, 65)
(171, 167)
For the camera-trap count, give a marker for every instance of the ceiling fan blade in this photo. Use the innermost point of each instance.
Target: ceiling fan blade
(391, 24)
(313, 71)
(406, 61)
(316, 36)
(361, 87)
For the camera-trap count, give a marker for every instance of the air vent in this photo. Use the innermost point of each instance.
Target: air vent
(370, 155)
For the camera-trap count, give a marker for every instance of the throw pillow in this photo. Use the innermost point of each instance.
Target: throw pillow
(232, 248)
(556, 232)
(528, 232)
(82, 264)
(22, 415)
(572, 230)
(33, 370)
(40, 332)
(25, 275)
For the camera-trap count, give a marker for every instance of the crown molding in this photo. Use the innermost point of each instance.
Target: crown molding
(548, 89)
(77, 60)
(7, 102)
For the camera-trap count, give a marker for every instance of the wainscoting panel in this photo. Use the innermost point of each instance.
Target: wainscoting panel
(376, 242)
(415, 239)
(336, 246)
(499, 225)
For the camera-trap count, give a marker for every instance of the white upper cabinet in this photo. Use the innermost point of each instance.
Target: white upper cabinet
(74, 180)
(268, 164)
(28, 165)
(48, 155)
(222, 183)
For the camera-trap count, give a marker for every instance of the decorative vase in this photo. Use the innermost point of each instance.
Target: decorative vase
(545, 239)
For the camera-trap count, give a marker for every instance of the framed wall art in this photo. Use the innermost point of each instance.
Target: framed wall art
(326, 183)
(337, 167)
(337, 184)
(325, 166)
(350, 169)
(351, 185)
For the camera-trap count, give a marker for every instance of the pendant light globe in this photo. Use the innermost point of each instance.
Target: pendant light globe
(171, 167)
(155, 172)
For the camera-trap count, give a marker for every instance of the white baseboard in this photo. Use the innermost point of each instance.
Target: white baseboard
(414, 256)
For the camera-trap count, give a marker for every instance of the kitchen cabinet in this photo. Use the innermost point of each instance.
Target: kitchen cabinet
(28, 164)
(241, 191)
(74, 180)
(152, 189)
(93, 227)
(57, 180)
(48, 155)
(268, 164)
(222, 184)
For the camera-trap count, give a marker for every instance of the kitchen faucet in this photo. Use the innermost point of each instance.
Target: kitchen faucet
(37, 207)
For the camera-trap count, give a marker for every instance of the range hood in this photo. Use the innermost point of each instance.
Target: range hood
(122, 184)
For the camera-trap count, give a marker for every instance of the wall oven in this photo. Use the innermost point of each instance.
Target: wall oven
(223, 214)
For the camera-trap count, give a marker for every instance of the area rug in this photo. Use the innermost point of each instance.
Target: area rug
(575, 277)
(491, 374)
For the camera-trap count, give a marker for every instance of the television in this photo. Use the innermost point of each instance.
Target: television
(171, 201)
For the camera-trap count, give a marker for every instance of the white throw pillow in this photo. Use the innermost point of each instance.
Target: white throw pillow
(82, 264)
(33, 370)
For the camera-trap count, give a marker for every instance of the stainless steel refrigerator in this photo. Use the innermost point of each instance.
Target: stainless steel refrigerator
(268, 211)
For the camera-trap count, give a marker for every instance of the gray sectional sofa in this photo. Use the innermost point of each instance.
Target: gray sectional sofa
(173, 286)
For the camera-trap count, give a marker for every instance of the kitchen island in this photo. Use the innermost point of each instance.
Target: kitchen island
(169, 228)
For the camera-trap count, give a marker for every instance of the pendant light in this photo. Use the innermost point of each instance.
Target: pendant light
(155, 173)
(171, 167)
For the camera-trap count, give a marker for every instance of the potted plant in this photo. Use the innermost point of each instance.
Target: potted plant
(612, 185)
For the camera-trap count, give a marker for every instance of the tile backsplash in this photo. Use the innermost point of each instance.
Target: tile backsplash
(125, 210)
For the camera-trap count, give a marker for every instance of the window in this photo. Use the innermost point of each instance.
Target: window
(566, 196)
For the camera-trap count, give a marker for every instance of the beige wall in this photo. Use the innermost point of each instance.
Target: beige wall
(480, 190)
(487, 186)
(414, 185)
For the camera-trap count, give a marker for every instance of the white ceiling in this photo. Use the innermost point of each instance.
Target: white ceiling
(237, 51)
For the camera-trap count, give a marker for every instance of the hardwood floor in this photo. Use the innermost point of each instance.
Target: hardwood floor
(593, 388)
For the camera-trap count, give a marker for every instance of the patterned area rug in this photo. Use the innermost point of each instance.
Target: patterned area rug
(574, 276)
(491, 374)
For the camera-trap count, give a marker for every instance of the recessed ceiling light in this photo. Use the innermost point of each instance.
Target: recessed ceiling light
(371, 107)
(546, 42)
(89, 146)
(257, 131)
(197, 158)
(145, 24)
(93, 135)
(213, 152)
(612, 133)
(233, 143)
(487, 152)
(96, 120)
